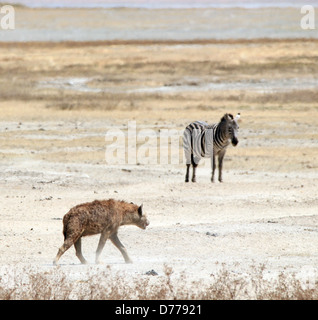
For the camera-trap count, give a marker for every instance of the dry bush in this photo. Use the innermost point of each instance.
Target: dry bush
(106, 285)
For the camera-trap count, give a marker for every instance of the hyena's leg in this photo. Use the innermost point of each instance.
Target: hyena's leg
(102, 240)
(78, 248)
(66, 245)
(114, 239)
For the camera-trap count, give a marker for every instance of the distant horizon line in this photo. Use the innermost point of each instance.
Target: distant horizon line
(147, 42)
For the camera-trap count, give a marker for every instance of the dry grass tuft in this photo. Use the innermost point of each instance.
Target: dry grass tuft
(106, 285)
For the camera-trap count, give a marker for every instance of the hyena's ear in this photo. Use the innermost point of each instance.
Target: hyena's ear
(140, 210)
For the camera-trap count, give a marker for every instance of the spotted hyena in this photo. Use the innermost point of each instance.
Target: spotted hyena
(104, 217)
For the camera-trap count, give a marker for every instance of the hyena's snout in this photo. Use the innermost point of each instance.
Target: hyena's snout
(144, 223)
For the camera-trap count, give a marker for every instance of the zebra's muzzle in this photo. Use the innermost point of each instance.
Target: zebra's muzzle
(235, 141)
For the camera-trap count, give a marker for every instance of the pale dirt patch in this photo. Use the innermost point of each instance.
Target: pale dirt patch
(53, 157)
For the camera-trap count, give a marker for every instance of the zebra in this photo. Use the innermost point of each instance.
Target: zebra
(203, 140)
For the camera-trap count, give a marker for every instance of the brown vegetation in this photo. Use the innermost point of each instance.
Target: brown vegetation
(107, 285)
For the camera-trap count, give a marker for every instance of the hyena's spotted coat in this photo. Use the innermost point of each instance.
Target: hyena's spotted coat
(104, 217)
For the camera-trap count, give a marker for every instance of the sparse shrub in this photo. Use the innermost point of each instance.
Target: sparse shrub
(56, 284)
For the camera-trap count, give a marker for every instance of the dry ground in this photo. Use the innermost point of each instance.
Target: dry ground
(59, 100)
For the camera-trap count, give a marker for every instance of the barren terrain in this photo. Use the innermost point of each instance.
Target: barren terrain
(58, 101)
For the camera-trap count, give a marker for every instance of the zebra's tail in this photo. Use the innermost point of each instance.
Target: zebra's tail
(187, 146)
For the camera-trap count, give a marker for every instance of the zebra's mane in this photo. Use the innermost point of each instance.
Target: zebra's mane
(230, 116)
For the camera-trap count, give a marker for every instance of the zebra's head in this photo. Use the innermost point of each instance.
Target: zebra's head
(232, 127)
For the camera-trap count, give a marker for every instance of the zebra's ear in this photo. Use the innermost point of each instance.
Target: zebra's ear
(224, 118)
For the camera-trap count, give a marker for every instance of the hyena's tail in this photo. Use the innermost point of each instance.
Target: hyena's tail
(66, 219)
(64, 232)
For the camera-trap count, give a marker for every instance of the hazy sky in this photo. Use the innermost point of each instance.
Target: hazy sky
(159, 3)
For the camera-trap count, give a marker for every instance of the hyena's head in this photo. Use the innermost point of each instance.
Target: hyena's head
(232, 127)
(141, 220)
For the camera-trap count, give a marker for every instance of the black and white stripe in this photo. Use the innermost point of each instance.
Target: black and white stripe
(203, 140)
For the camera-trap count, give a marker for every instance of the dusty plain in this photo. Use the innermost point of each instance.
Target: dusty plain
(58, 101)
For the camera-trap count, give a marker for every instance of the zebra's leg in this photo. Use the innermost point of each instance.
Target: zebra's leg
(194, 167)
(187, 153)
(187, 173)
(221, 157)
(194, 179)
(213, 167)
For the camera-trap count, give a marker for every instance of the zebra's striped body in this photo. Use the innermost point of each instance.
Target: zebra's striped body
(203, 140)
